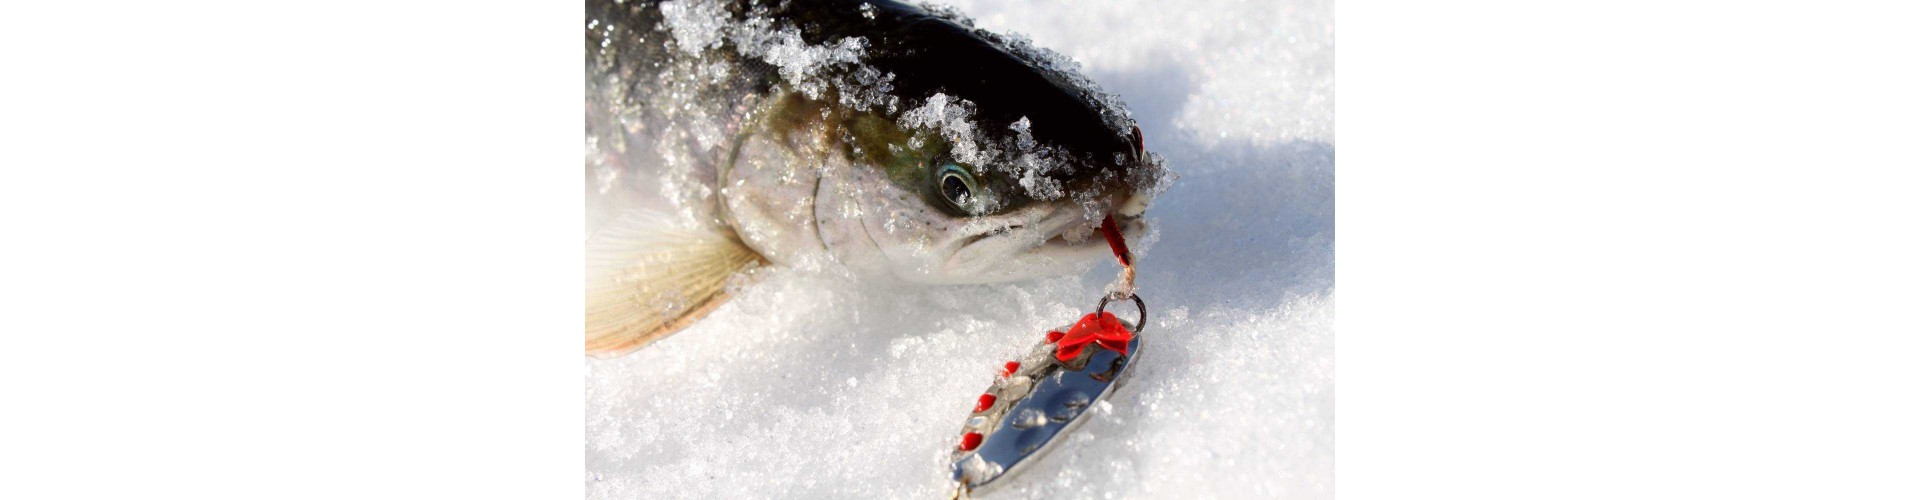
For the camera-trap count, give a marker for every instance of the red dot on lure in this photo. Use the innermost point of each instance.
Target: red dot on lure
(970, 441)
(986, 401)
(1007, 371)
(1054, 336)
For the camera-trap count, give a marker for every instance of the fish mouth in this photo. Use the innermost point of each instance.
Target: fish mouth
(1128, 216)
(1076, 239)
(1056, 241)
(1076, 235)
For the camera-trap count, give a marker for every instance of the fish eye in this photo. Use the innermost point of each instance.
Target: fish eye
(958, 188)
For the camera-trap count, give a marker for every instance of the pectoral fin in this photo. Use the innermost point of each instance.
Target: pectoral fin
(648, 277)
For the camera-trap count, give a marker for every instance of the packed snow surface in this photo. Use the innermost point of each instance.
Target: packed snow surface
(817, 385)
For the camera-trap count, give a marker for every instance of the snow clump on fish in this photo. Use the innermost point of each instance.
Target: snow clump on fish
(834, 69)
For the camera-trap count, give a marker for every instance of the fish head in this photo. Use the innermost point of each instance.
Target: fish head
(999, 164)
(959, 222)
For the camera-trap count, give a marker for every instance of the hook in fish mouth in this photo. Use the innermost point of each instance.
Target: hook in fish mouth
(1129, 214)
(1051, 243)
(1077, 239)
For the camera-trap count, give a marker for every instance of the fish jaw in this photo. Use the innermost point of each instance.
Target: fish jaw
(878, 228)
(1042, 240)
(1066, 243)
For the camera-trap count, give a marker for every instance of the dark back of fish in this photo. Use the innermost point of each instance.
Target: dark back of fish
(926, 51)
(1007, 79)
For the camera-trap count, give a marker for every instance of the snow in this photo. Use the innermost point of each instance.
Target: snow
(817, 385)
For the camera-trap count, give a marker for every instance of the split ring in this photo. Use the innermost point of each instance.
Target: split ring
(1139, 326)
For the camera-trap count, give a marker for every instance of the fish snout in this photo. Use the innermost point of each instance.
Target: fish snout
(1131, 195)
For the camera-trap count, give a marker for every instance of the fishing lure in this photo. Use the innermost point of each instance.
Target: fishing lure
(1041, 396)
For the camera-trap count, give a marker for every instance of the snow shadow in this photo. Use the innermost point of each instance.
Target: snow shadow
(1247, 222)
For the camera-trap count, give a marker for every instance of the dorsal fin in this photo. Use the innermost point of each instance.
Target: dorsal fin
(648, 277)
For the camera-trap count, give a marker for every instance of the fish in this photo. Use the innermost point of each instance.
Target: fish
(898, 142)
